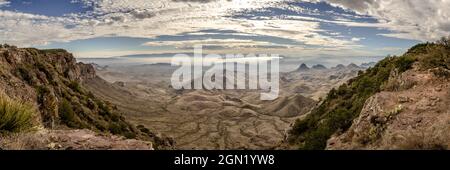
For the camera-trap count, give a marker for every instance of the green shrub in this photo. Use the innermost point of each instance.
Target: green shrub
(143, 129)
(439, 59)
(67, 115)
(53, 51)
(41, 92)
(15, 116)
(129, 135)
(25, 75)
(419, 48)
(405, 63)
(75, 86)
(115, 128)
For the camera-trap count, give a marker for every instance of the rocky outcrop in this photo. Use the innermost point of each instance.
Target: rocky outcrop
(53, 81)
(415, 115)
(70, 140)
(400, 103)
(87, 71)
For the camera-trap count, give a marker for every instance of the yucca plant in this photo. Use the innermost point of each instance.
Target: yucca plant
(15, 116)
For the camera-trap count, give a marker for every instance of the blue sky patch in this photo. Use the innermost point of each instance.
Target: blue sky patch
(53, 8)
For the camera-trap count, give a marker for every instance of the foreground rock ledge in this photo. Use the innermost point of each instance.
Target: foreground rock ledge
(70, 140)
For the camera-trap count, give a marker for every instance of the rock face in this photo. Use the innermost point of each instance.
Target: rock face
(400, 103)
(71, 140)
(50, 79)
(416, 116)
(53, 81)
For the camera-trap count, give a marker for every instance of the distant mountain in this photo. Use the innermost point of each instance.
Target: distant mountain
(368, 65)
(161, 64)
(303, 67)
(319, 67)
(353, 66)
(151, 55)
(339, 66)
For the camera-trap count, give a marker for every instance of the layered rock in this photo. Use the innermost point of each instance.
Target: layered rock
(400, 103)
(53, 81)
(71, 140)
(416, 115)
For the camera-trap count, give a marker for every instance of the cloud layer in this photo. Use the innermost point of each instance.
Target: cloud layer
(3, 2)
(286, 19)
(409, 19)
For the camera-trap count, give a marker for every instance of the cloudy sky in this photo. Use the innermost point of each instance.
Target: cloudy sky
(300, 28)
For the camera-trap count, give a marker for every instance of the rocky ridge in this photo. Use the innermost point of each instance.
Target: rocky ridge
(52, 81)
(400, 103)
(416, 116)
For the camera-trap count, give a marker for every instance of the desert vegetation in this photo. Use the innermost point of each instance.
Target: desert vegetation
(15, 116)
(342, 105)
(51, 83)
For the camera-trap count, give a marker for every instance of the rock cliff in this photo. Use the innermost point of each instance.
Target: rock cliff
(52, 81)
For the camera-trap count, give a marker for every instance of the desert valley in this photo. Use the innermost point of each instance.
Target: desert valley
(215, 119)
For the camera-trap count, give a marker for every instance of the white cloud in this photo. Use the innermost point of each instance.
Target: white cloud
(4, 2)
(409, 19)
(149, 19)
(355, 39)
(225, 43)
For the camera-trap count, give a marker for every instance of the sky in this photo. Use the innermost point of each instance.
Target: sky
(297, 28)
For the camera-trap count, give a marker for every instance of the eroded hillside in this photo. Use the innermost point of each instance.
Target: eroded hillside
(401, 103)
(52, 82)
